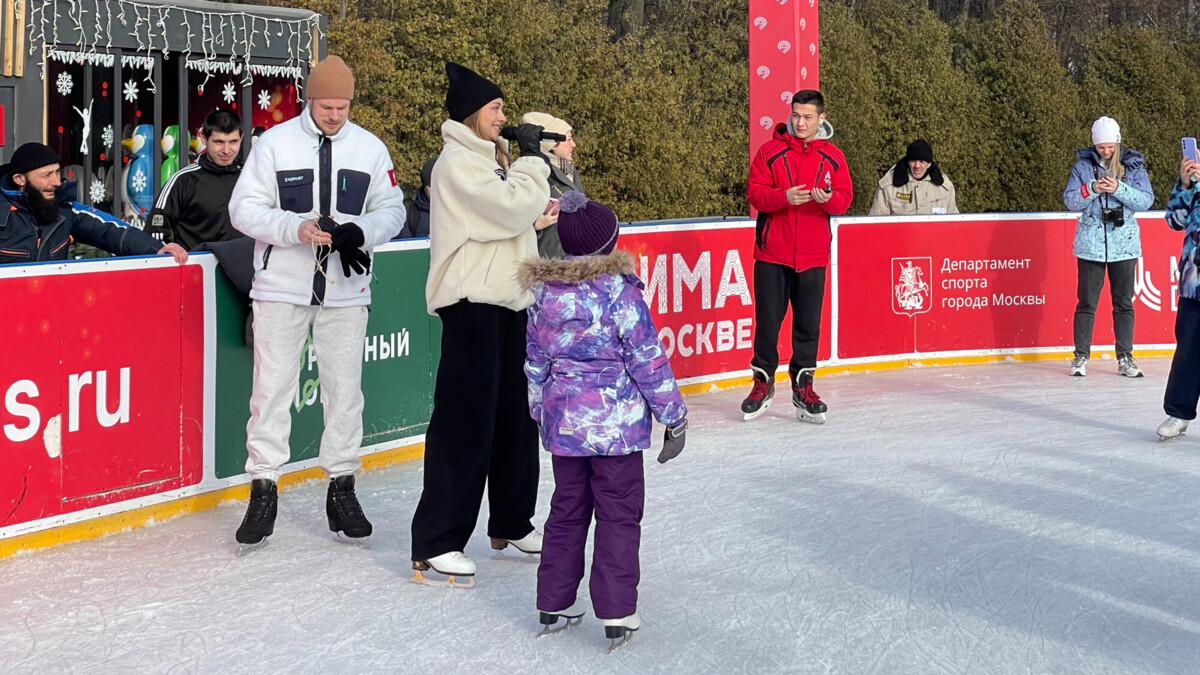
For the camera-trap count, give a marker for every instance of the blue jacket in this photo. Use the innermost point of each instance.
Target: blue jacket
(1183, 213)
(1095, 240)
(23, 241)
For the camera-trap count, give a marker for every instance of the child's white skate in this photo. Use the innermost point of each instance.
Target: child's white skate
(619, 631)
(573, 615)
(451, 565)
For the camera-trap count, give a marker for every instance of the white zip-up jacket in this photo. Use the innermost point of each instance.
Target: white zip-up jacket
(481, 222)
(295, 173)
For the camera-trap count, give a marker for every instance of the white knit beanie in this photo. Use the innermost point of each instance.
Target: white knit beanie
(549, 123)
(1106, 130)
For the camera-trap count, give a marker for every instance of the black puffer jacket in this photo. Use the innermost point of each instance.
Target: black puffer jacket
(22, 240)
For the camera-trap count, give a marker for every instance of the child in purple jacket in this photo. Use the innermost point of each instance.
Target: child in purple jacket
(597, 373)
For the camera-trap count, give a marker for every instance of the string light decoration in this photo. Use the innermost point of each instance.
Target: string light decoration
(232, 34)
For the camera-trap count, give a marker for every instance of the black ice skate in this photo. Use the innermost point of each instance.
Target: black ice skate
(259, 522)
(809, 407)
(573, 615)
(346, 517)
(760, 396)
(618, 631)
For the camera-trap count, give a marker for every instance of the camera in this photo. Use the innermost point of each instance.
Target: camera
(1114, 217)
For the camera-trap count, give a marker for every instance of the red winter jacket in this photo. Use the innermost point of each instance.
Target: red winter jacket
(797, 236)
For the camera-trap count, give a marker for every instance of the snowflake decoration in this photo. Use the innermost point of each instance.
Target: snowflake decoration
(97, 192)
(264, 99)
(139, 181)
(229, 93)
(131, 91)
(65, 83)
(107, 136)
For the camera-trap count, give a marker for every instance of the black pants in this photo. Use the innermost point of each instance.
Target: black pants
(775, 287)
(1183, 386)
(1121, 278)
(480, 432)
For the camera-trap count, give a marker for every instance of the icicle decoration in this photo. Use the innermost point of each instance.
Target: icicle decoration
(232, 31)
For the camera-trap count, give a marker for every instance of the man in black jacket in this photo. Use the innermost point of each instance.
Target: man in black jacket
(38, 221)
(416, 223)
(193, 208)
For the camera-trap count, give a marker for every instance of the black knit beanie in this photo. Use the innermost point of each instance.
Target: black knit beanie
(919, 150)
(32, 156)
(468, 91)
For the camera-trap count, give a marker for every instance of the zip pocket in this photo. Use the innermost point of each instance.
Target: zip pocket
(352, 188)
(295, 190)
(267, 255)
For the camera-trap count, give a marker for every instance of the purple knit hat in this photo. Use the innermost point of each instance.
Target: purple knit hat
(585, 227)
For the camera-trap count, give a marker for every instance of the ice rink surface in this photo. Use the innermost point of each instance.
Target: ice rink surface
(1003, 518)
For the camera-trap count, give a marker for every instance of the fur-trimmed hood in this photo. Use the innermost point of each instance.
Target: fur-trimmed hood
(1132, 159)
(574, 270)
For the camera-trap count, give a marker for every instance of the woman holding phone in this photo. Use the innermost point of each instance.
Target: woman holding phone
(481, 216)
(1183, 386)
(1108, 185)
(564, 177)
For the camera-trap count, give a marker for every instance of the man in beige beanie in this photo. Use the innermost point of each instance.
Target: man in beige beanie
(564, 177)
(317, 194)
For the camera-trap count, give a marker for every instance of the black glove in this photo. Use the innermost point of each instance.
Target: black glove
(347, 235)
(529, 139)
(326, 224)
(673, 440)
(348, 239)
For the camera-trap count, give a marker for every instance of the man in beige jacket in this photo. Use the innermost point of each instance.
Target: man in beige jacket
(915, 185)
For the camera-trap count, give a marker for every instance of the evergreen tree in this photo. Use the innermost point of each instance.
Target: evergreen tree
(1029, 114)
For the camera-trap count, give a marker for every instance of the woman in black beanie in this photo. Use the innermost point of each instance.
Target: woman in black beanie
(482, 210)
(915, 185)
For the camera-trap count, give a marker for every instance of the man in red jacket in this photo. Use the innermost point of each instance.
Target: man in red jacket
(797, 180)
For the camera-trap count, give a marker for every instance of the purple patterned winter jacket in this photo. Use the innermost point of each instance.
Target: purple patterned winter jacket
(597, 370)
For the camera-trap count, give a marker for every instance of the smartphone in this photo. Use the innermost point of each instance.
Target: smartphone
(551, 207)
(1189, 149)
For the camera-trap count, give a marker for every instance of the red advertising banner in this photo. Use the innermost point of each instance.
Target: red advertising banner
(699, 287)
(1003, 282)
(102, 388)
(784, 58)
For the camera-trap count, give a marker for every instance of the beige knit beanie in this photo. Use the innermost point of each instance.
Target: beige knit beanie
(330, 78)
(549, 123)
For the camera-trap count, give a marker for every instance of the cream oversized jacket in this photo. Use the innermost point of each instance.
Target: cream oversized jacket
(481, 222)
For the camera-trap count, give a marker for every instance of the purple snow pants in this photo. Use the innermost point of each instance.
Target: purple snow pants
(615, 488)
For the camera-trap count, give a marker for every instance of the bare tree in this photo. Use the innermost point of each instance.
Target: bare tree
(626, 16)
